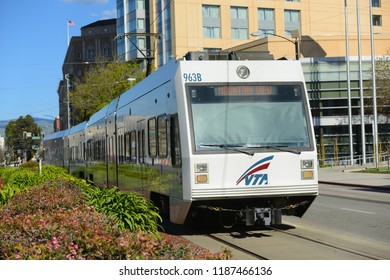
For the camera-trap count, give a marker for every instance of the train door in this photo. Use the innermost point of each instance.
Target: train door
(175, 154)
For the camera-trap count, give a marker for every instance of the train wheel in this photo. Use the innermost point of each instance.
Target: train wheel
(227, 219)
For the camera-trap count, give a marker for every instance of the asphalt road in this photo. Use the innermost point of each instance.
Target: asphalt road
(356, 211)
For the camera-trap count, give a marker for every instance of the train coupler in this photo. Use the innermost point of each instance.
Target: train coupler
(262, 216)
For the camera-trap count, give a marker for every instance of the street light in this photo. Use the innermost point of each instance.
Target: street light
(69, 85)
(295, 42)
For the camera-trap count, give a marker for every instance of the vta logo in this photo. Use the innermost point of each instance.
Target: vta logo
(252, 178)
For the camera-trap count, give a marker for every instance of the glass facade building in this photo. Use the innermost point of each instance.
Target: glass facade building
(326, 82)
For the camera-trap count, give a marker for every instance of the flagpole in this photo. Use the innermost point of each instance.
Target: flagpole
(67, 25)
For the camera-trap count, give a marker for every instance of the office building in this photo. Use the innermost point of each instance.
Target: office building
(315, 31)
(96, 42)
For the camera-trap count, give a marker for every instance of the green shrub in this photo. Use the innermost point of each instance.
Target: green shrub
(52, 222)
(21, 179)
(129, 209)
(57, 220)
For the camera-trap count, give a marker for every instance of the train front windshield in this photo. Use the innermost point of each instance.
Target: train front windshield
(249, 116)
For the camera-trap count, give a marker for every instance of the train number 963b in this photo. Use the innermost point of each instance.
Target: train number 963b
(192, 77)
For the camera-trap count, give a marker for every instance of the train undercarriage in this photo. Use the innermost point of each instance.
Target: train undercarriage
(229, 213)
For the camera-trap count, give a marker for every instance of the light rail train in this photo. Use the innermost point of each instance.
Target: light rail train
(229, 137)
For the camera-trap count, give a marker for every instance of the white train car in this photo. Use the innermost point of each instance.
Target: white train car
(75, 161)
(54, 148)
(231, 140)
(228, 137)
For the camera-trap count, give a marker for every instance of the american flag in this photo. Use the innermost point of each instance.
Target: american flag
(71, 23)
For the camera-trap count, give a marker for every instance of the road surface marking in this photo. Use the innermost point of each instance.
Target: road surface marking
(353, 210)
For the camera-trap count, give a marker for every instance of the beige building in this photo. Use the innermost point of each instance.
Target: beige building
(165, 29)
(321, 26)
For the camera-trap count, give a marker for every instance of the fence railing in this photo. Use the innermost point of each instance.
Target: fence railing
(384, 161)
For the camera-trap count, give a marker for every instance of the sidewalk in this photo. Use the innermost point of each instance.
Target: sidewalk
(342, 175)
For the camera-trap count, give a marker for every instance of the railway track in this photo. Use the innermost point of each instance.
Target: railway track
(285, 242)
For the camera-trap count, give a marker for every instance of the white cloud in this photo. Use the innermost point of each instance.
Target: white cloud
(91, 2)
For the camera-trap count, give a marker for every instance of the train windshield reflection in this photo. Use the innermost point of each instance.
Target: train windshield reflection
(249, 116)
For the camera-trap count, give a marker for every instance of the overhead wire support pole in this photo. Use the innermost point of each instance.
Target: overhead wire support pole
(374, 105)
(149, 59)
(295, 42)
(348, 82)
(361, 93)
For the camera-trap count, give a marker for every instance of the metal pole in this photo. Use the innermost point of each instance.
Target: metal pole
(374, 108)
(296, 49)
(348, 83)
(68, 108)
(361, 84)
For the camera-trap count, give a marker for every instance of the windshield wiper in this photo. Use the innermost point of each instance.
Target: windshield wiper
(279, 148)
(229, 147)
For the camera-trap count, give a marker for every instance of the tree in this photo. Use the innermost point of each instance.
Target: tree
(18, 136)
(100, 85)
(382, 75)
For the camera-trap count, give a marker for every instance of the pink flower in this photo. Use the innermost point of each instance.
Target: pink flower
(54, 241)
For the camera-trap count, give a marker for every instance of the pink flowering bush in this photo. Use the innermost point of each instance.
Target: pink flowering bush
(53, 222)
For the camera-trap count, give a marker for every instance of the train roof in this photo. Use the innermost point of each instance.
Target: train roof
(164, 74)
(112, 106)
(78, 128)
(56, 135)
(101, 114)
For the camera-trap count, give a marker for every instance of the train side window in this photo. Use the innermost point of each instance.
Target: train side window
(103, 146)
(141, 146)
(175, 142)
(110, 149)
(152, 141)
(89, 150)
(133, 147)
(121, 150)
(127, 147)
(95, 150)
(162, 129)
(83, 152)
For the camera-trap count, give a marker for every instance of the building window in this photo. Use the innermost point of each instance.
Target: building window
(90, 54)
(292, 21)
(239, 23)
(140, 23)
(211, 21)
(141, 43)
(376, 3)
(266, 22)
(140, 4)
(107, 52)
(377, 20)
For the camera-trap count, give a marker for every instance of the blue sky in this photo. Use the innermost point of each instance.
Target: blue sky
(33, 46)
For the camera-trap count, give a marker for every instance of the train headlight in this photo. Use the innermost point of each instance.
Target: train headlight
(306, 173)
(201, 167)
(243, 72)
(306, 163)
(204, 169)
